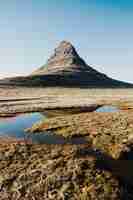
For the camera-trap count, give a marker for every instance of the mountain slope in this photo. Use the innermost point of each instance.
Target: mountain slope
(66, 60)
(66, 68)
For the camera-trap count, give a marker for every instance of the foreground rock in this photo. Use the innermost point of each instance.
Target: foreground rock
(9, 107)
(75, 172)
(110, 132)
(15, 100)
(54, 172)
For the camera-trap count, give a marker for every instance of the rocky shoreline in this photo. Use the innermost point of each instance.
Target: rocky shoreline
(109, 132)
(16, 100)
(100, 169)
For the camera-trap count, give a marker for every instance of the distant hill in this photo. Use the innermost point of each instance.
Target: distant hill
(67, 69)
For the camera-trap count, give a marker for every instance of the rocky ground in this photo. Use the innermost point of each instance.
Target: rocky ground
(101, 169)
(110, 141)
(60, 172)
(15, 100)
(109, 132)
(55, 172)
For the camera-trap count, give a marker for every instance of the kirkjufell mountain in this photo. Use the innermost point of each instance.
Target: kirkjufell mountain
(66, 68)
(65, 60)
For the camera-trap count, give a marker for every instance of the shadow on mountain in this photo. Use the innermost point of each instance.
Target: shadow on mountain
(77, 80)
(65, 68)
(121, 168)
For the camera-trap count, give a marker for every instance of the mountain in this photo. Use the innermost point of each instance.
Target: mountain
(65, 60)
(67, 69)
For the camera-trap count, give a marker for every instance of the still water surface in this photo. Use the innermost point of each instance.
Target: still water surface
(108, 109)
(15, 126)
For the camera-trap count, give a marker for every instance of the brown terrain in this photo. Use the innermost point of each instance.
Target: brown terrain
(100, 170)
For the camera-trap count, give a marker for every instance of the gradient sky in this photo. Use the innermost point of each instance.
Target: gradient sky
(101, 30)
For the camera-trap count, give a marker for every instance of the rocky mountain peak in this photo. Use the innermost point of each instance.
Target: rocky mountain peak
(65, 68)
(65, 57)
(64, 52)
(65, 48)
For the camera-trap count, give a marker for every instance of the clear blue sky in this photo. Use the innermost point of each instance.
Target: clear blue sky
(101, 30)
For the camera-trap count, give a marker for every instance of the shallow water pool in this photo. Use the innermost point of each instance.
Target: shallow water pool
(15, 127)
(108, 108)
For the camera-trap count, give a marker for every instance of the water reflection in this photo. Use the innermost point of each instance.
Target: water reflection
(107, 108)
(15, 126)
